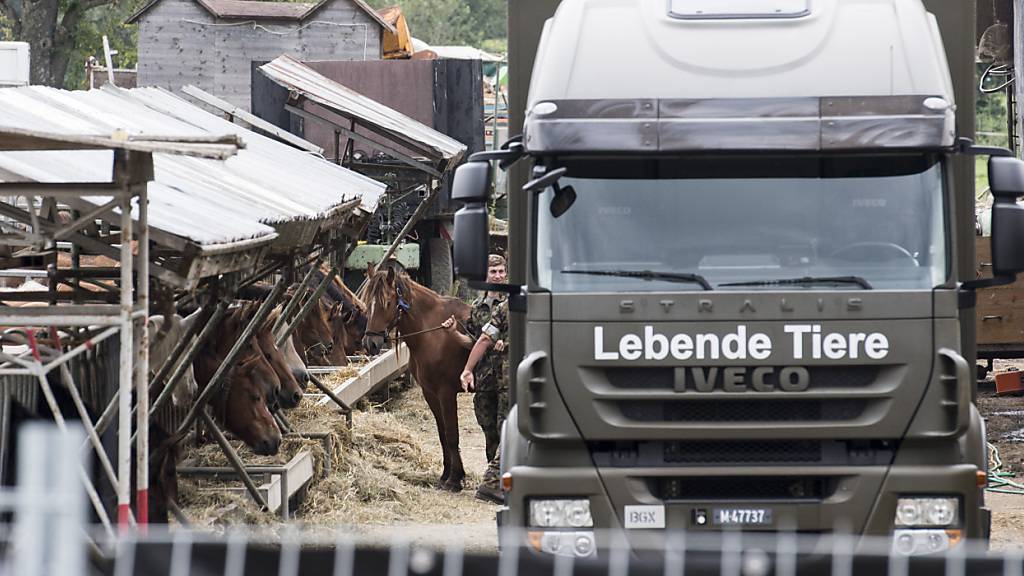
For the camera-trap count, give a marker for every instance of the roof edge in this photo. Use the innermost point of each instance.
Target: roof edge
(360, 4)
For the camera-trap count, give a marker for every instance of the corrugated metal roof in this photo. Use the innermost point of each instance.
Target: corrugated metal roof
(265, 10)
(298, 77)
(258, 10)
(207, 201)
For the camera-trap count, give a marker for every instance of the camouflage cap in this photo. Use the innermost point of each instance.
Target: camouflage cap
(495, 260)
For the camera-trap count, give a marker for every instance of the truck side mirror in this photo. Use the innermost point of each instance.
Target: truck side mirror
(1006, 180)
(472, 182)
(471, 185)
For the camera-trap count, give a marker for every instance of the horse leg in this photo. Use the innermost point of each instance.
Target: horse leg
(435, 409)
(450, 411)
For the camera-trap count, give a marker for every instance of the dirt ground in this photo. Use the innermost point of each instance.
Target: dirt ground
(382, 482)
(1004, 419)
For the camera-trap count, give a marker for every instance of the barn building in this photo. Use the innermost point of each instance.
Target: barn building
(215, 44)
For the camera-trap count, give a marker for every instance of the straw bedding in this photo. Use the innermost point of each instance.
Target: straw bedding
(383, 470)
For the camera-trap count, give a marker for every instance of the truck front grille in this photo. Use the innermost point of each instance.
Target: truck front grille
(663, 378)
(746, 452)
(717, 488)
(748, 410)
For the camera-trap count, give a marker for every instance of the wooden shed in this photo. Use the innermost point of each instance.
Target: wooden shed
(213, 44)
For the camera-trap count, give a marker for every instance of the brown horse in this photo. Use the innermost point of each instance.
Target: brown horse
(347, 315)
(436, 356)
(316, 338)
(290, 393)
(250, 390)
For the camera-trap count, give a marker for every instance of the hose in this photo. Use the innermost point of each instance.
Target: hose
(998, 480)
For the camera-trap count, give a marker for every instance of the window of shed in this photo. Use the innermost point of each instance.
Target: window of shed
(729, 9)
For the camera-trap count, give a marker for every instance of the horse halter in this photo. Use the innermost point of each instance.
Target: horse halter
(402, 307)
(320, 349)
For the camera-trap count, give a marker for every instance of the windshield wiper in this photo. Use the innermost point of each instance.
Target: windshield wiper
(648, 275)
(806, 280)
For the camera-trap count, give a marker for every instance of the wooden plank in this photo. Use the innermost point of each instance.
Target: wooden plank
(250, 119)
(999, 316)
(383, 367)
(299, 472)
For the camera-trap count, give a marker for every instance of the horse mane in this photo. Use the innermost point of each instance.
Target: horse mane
(340, 293)
(376, 287)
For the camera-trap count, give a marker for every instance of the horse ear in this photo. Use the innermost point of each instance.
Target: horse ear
(391, 275)
(371, 269)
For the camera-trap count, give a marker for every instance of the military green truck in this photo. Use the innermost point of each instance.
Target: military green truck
(744, 264)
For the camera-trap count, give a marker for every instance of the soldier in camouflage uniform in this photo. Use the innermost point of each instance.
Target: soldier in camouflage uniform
(490, 402)
(495, 331)
(486, 371)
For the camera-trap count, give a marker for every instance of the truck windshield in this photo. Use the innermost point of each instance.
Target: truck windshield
(755, 224)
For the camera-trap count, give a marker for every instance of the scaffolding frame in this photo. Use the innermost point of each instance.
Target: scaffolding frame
(30, 222)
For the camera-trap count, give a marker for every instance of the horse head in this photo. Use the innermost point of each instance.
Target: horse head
(290, 392)
(253, 358)
(385, 293)
(247, 405)
(348, 325)
(315, 340)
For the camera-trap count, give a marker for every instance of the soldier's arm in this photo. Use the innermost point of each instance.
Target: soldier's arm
(480, 348)
(463, 339)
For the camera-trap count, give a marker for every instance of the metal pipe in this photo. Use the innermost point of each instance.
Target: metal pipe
(233, 458)
(124, 409)
(227, 470)
(307, 307)
(329, 393)
(91, 436)
(80, 349)
(58, 417)
(282, 422)
(213, 386)
(294, 302)
(142, 366)
(178, 513)
(285, 507)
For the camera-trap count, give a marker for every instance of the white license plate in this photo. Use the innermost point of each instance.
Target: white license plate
(741, 516)
(644, 516)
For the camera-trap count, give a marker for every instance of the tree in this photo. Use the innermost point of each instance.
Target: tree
(445, 22)
(53, 29)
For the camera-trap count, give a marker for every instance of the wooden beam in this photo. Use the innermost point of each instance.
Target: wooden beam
(93, 245)
(252, 120)
(382, 368)
(424, 166)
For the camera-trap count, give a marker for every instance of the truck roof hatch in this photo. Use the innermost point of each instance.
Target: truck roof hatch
(729, 9)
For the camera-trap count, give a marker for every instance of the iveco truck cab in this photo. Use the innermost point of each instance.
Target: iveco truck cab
(742, 291)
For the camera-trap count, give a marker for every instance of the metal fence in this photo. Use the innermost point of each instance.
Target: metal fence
(49, 536)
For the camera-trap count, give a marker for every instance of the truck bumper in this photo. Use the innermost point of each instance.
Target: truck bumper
(861, 500)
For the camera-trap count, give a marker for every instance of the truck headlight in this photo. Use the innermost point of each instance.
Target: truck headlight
(927, 512)
(562, 513)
